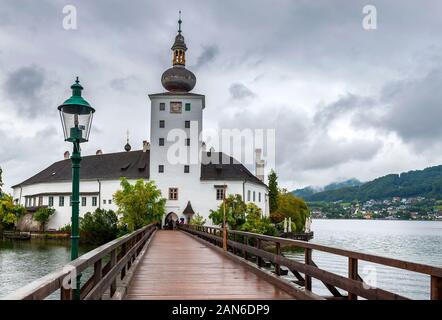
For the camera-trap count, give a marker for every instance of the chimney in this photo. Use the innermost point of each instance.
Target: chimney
(99, 152)
(66, 155)
(259, 165)
(146, 145)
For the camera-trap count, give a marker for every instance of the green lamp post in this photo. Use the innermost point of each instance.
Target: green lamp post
(76, 118)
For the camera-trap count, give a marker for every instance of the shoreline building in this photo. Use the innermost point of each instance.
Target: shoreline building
(192, 182)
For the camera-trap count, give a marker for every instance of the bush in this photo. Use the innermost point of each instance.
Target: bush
(43, 215)
(256, 223)
(99, 227)
(198, 220)
(9, 212)
(66, 228)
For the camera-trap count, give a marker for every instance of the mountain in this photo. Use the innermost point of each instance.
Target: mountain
(309, 191)
(426, 183)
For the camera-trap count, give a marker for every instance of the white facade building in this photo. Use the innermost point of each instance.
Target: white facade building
(191, 178)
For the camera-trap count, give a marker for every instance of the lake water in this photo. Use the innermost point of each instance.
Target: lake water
(416, 241)
(21, 262)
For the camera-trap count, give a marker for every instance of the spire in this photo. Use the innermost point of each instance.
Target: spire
(127, 147)
(179, 47)
(179, 23)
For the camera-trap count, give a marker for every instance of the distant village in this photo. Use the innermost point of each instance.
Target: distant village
(396, 208)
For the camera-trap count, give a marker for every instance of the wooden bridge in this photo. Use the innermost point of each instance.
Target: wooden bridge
(191, 264)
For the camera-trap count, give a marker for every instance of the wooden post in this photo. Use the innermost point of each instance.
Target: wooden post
(123, 254)
(224, 220)
(65, 294)
(246, 242)
(436, 288)
(113, 261)
(352, 274)
(278, 253)
(234, 240)
(259, 259)
(98, 272)
(308, 260)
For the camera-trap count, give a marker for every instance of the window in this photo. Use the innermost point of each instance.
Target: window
(94, 201)
(259, 196)
(162, 106)
(40, 201)
(33, 202)
(51, 201)
(254, 198)
(248, 195)
(83, 201)
(187, 124)
(161, 168)
(220, 193)
(187, 107)
(104, 201)
(173, 193)
(187, 141)
(162, 123)
(186, 169)
(60, 201)
(110, 201)
(161, 142)
(176, 107)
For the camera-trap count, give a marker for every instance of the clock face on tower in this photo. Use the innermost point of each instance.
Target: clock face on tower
(176, 107)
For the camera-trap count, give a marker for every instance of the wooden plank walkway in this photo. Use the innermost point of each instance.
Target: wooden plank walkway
(178, 267)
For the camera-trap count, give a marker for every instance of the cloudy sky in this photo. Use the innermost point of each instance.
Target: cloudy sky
(345, 101)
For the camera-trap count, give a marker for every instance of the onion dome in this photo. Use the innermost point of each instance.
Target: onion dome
(178, 78)
(127, 147)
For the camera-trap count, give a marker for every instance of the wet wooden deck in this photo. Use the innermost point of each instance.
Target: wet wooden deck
(176, 267)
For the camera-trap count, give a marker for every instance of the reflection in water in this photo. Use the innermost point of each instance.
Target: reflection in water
(21, 262)
(416, 241)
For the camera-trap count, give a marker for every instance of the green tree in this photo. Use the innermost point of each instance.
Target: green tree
(99, 227)
(43, 215)
(9, 212)
(256, 223)
(235, 212)
(293, 207)
(273, 191)
(198, 220)
(1, 182)
(133, 200)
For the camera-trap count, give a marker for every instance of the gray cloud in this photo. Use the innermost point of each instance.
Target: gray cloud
(24, 87)
(121, 84)
(208, 54)
(239, 91)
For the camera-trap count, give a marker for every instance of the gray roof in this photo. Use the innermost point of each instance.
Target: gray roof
(219, 166)
(132, 165)
(135, 165)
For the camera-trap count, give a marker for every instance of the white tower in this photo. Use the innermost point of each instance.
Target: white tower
(176, 125)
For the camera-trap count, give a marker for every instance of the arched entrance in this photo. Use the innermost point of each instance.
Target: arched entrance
(171, 220)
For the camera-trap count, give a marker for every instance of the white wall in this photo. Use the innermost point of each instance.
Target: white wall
(62, 214)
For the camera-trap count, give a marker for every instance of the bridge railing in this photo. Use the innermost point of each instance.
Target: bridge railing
(110, 262)
(253, 246)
